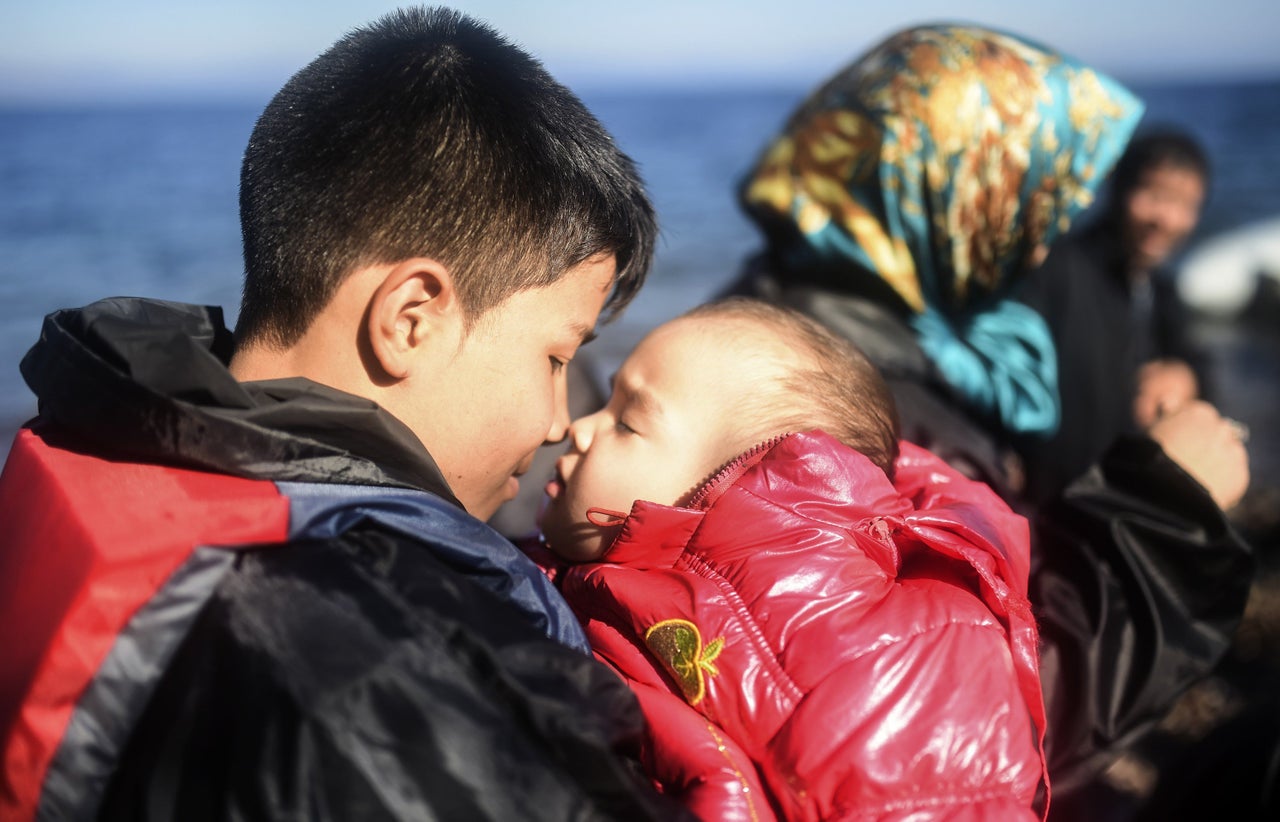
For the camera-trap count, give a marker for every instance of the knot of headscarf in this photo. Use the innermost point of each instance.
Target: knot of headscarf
(1003, 359)
(943, 163)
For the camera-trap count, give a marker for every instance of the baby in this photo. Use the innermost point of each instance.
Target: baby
(818, 620)
(699, 391)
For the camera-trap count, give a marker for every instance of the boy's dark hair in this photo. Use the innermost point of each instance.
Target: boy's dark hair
(1154, 149)
(837, 390)
(428, 134)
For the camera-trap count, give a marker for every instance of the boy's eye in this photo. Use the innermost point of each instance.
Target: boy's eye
(622, 428)
(557, 365)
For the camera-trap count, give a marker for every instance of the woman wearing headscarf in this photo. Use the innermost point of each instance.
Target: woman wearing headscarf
(900, 205)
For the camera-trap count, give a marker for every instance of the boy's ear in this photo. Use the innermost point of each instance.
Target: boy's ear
(414, 304)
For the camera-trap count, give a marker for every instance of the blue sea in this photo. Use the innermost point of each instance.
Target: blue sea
(98, 202)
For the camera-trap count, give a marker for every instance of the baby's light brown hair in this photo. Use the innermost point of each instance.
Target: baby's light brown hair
(835, 388)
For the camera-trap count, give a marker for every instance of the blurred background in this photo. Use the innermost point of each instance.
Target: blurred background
(122, 127)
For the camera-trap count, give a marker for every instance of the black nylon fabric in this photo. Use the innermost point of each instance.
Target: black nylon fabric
(1084, 276)
(350, 681)
(1136, 600)
(110, 706)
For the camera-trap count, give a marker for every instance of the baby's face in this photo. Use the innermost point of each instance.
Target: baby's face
(661, 435)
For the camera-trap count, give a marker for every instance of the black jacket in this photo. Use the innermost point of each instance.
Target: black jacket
(392, 659)
(1104, 328)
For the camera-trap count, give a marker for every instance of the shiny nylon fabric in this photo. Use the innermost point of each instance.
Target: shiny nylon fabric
(868, 648)
(938, 164)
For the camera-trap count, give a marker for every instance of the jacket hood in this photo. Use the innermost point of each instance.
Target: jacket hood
(147, 380)
(928, 513)
(815, 475)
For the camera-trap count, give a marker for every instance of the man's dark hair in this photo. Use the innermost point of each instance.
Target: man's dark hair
(1155, 149)
(428, 134)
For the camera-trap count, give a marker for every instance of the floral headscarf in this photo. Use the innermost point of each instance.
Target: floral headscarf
(943, 163)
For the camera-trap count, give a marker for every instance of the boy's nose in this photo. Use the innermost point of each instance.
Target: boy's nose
(559, 426)
(559, 414)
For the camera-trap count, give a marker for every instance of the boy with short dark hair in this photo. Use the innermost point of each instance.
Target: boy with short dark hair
(250, 580)
(429, 134)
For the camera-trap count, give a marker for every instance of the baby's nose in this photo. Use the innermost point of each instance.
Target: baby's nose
(581, 432)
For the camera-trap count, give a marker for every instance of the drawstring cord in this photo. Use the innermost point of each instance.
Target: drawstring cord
(604, 517)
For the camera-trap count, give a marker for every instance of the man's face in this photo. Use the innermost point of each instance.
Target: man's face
(503, 392)
(664, 431)
(1159, 214)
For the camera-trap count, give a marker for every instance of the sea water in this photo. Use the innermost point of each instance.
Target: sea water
(142, 201)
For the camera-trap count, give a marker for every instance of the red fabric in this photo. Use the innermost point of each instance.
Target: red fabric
(88, 542)
(868, 647)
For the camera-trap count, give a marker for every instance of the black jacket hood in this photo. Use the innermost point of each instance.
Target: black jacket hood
(147, 380)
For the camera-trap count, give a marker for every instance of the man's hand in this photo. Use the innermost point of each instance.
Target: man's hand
(1207, 446)
(1164, 386)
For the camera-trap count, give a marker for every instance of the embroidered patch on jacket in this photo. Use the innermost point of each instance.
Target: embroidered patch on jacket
(678, 643)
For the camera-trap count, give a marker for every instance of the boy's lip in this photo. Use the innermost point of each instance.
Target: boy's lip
(513, 481)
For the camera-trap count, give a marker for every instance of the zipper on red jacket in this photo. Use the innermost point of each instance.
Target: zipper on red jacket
(705, 496)
(711, 490)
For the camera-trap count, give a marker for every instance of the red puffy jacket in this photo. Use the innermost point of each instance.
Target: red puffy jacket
(850, 647)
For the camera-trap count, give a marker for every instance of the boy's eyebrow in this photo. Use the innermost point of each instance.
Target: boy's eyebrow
(585, 333)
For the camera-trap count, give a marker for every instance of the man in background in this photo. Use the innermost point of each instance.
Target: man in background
(1120, 330)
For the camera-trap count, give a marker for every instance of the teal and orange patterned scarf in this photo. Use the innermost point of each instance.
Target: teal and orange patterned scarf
(944, 162)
